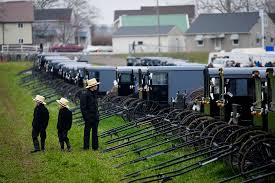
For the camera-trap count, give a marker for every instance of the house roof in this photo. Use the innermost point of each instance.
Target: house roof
(142, 31)
(53, 14)
(16, 11)
(224, 23)
(163, 10)
(272, 16)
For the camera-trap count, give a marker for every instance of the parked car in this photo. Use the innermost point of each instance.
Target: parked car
(66, 48)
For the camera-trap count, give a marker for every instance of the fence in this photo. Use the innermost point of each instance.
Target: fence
(6, 57)
(21, 49)
(18, 52)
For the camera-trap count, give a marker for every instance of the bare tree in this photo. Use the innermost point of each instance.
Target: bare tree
(229, 6)
(66, 32)
(81, 8)
(43, 4)
(215, 5)
(83, 16)
(84, 13)
(269, 6)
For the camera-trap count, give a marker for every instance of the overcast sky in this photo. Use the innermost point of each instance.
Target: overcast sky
(107, 7)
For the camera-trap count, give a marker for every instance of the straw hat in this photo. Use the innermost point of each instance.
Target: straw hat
(92, 82)
(63, 102)
(40, 99)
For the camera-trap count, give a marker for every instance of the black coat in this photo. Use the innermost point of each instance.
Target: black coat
(40, 117)
(89, 107)
(64, 122)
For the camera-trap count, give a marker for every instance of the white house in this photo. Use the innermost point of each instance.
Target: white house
(145, 39)
(16, 18)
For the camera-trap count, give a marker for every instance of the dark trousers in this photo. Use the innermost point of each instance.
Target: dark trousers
(35, 134)
(63, 138)
(87, 131)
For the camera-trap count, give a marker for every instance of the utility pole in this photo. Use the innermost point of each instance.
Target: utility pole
(64, 31)
(158, 26)
(196, 8)
(261, 12)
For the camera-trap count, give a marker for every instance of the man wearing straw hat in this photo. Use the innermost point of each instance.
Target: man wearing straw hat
(39, 123)
(89, 110)
(64, 123)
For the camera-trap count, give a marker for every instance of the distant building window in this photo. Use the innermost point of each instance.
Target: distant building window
(20, 25)
(200, 43)
(271, 39)
(20, 41)
(140, 42)
(235, 42)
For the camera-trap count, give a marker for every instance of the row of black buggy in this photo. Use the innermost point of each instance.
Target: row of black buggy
(224, 114)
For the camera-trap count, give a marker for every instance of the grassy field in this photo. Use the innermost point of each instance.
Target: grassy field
(198, 57)
(18, 165)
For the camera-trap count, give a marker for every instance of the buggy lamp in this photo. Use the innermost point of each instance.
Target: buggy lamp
(204, 101)
(237, 114)
(173, 99)
(221, 72)
(268, 72)
(151, 75)
(146, 88)
(115, 82)
(257, 113)
(256, 74)
(220, 103)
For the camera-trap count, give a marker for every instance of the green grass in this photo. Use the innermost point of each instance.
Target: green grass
(18, 165)
(197, 57)
(15, 127)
